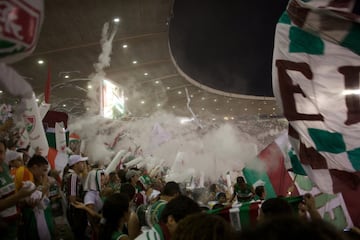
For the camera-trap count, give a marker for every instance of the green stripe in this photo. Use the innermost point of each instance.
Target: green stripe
(244, 215)
(296, 165)
(52, 140)
(354, 158)
(326, 141)
(252, 176)
(352, 40)
(304, 42)
(285, 18)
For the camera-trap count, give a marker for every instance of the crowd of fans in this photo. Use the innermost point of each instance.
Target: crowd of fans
(132, 204)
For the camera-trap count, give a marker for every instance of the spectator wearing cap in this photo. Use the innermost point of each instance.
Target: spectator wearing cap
(74, 191)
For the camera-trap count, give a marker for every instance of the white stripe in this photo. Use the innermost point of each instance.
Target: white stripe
(73, 184)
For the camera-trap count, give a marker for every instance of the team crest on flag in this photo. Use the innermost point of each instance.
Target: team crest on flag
(20, 26)
(30, 123)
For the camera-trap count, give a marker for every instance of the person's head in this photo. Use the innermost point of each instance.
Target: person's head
(274, 207)
(240, 180)
(2, 151)
(128, 189)
(171, 190)
(221, 197)
(177, 209)
(291, 227)
(14, 159)
(115, 212)
(213, 188)
(113, 177)
(38, 166)
(122, 175)
(132, 176)
(203, 226)
(77, 163)
(260, 192)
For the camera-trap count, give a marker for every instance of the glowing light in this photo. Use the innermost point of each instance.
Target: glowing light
(203, 98)
(124, 45)
(112, 100)
(40, 61)
(87, 109)
(351, 92)
(116, 20)
(37, 100)
(215, 100)
(64, 105)
(66, 76)
(145, 74)
(273, 108)
(245, 109)
(134, 62)
(232, 118)
(191, 96)
(203, 109)
(89, 86)
(174, 107)
(158, 105)
(226, 118)
(186, 120)
(179, 92)
(1, 91)
(168, 88)
(157, 82)
(214, 119)
(259, 109)
(142, 102)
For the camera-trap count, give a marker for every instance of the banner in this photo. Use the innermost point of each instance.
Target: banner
(316, 66)
(34, 126)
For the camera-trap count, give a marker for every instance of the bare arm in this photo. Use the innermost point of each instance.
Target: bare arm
(133, 226)
(14, 198)
(89, 209)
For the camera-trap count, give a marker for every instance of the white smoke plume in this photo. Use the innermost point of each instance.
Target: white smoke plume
(107, 37)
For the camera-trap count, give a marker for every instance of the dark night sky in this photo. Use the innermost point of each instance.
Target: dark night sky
(226, 45)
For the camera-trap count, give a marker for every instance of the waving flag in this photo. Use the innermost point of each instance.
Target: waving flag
(316, 73)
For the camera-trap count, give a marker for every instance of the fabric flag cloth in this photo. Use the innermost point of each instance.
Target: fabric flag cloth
(276, 178)
(20, 23)
(316, 66)
(60, 137)
(57, 160)
(44, 108)
(49, 122)
(34, 125)
(245, 215)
